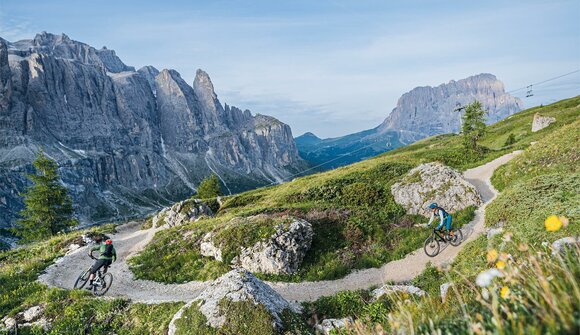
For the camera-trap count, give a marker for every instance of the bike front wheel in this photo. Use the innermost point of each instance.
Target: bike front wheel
(82, 279)
(431, 246)
(457, 238)
(104, 284)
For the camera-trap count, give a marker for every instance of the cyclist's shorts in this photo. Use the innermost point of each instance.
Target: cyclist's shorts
(99, 263)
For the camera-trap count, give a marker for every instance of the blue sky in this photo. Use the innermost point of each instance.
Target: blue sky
(330, 67)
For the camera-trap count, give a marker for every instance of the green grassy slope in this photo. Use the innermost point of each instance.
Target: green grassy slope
(357, 224)
(542, 181)
(71, 312)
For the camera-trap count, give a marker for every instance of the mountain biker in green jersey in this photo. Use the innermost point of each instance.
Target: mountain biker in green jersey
(445, 217)
(107, 256)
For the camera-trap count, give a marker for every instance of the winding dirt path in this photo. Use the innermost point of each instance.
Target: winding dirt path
(129, 240)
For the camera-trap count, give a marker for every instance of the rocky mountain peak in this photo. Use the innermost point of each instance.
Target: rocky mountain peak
(203, 86)
(149, 72)
(426, 110)
(120, 135)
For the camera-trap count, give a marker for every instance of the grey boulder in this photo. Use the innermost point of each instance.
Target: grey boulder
(434, 182)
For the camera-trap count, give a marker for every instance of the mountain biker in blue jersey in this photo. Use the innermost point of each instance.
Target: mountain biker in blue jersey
(107, 256)
(445, 217)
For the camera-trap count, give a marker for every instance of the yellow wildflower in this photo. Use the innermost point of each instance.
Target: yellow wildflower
(505, 292)
(553, 223)
(491, 255)
(500, 265)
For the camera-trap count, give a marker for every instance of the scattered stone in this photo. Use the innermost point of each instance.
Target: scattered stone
(434, 182)
(209, 249)
(236, 285)
(72, 248)
(182, 212)
(562, 244)
(409, 289)
(32, 313)
(443, 289)
(328, 325)
(541, 122)
(281, 253)
(491, 232)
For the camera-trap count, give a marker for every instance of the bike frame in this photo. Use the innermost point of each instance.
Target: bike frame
(437, 234)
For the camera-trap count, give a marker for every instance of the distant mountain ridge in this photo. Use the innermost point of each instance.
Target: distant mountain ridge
(127, 142)
(421, 112)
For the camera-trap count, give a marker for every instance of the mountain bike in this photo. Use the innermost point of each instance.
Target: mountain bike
(432, 243)
(101, 283)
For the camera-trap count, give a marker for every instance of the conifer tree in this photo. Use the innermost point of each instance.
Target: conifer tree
(48, 206)
(209, 188)
(473, 126)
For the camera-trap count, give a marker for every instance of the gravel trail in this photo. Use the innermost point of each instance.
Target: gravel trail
(129, 240)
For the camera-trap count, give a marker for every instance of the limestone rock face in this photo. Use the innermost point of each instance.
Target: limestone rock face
(236, 285)
(127, 142)
(541, 122)
(281, 253)
(430, 110)
(182, 212)
(434, 182)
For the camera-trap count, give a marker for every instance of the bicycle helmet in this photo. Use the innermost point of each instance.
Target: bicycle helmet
(109, 242)
(433, 205)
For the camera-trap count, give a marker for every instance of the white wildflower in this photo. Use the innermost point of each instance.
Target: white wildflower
(485, 278)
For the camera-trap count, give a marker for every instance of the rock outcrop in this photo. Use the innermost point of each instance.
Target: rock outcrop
(236, 285)
(127, 142)
(434, 182)
(209, 249)
(182, 212)
(281, 253)
(541, 122)
(31, 317)
(388, 289)
(327, 326)
(421, 112)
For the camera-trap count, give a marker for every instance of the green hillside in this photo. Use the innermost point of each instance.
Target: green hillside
(358, 225)
(356, 222)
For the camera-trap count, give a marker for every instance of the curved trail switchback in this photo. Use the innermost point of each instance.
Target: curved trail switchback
(129, 240)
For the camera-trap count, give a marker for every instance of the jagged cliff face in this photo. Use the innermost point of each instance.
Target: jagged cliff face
(127, 142)
(429, 110)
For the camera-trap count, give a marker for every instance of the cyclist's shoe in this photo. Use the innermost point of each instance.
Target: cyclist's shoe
(89, 288)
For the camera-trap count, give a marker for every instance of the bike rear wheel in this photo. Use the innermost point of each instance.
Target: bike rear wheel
(457, 238)
(431, 246)
(82, 279)
(104, 284)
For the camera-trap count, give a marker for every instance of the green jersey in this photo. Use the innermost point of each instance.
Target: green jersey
(106, 251)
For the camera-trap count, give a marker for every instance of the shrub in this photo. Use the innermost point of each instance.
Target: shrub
(209, 188)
